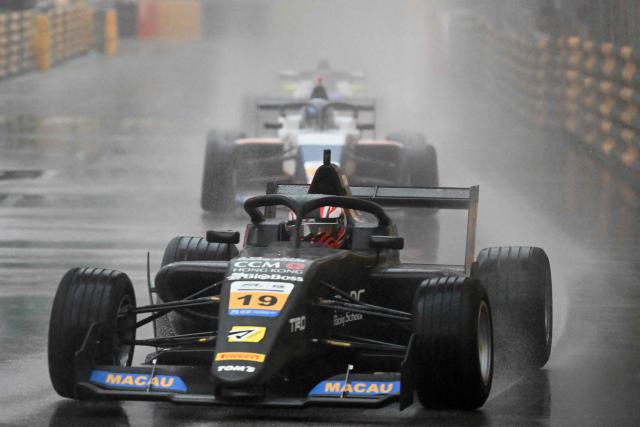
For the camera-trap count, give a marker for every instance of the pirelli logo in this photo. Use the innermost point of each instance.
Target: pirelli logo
(238, 355)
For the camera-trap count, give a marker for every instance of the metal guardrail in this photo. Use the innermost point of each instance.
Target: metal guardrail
(590, 90)
(16, 41)
(31, 39)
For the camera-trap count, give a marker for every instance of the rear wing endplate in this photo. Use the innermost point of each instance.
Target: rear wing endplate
(412, 197)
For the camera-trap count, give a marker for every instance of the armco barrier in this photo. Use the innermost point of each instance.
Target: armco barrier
(16, 42)
(70, 31)
(590, 90)
(30, 40)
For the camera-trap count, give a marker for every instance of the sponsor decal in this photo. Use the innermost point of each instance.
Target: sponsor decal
(264, 268)
(138, 381)
(298, 324)
(264, 299)
(348, 317)
(264, 276)
(357, 294)
(236, 368)
(257, 263)
(246, 333)
(356, 388)
(343, 319)
(238, 355)
(295, 265)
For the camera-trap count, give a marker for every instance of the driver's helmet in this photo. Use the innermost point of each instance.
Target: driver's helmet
(327, 227)
(319, 91)
(311, 116)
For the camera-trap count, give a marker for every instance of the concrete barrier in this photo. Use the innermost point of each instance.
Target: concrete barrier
(111, 33)
(42, 43)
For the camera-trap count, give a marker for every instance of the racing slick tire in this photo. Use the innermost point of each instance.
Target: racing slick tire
(518, 280)
(185, 248)
(421, 158)
(218, 189)
(454, 346)
(86, 296)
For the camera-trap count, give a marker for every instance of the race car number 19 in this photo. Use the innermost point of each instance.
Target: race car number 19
(265, 299)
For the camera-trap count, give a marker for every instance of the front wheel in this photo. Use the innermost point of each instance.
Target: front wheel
(518, 280)
(185, 248)
(454, 343)
(86, 296)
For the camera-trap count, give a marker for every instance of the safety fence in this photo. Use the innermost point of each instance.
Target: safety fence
(35, 39)
(16, 41)
(168, 20)
(590, 90)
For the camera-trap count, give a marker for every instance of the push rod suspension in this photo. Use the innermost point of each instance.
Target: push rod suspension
(177, 340)
(173, 305)
(361, 345)
(351, 299)
(356, 308)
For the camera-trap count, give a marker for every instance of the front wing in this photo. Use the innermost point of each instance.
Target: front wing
(190, 385)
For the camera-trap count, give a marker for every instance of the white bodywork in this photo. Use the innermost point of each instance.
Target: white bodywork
(340, 84)
(310, 143)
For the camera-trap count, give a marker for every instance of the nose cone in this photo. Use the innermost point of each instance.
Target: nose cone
(238, 367)
(253, 326)
(310, 169)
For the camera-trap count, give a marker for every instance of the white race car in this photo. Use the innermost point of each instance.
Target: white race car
(237, 167)
(340, 84)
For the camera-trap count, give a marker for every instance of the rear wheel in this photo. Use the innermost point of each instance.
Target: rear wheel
(185, 248)
(518, 280)
(86, 296)
(421, 158)
(218, 189)
(454, 347)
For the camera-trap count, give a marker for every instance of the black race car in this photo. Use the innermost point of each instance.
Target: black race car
(291, 322)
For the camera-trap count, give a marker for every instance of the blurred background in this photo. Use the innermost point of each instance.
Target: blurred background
(104, 111)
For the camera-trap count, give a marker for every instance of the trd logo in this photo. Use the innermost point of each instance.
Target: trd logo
(236, 368)
(298, 324)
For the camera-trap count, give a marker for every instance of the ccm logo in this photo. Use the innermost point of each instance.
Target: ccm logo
(235, 368)
(258, 264)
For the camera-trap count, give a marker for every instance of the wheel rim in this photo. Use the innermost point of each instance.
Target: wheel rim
(485, 348)
(124, 332)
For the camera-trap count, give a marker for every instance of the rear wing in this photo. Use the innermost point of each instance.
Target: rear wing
(412, 197)
(312, 74)
(281, 106)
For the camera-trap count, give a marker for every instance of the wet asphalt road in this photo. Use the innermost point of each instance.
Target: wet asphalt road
(100, 162)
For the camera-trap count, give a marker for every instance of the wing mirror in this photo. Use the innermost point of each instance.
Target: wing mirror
(223, 236)
(386, 242)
